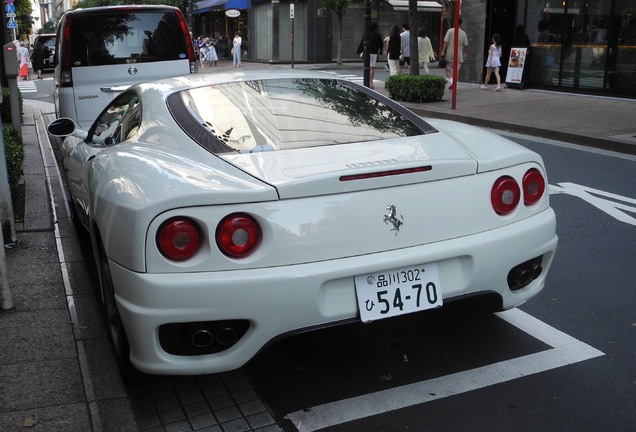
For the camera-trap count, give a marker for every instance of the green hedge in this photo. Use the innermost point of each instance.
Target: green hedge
(14, 151)
(5, 108)
(415, 88)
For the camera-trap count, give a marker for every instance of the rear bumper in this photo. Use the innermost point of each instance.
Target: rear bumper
(280, 300)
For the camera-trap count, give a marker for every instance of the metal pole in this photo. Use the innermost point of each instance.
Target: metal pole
(367, 36)
(6, 301)
(455, 54)
(14, 99)
(291, 16)
(6, 206)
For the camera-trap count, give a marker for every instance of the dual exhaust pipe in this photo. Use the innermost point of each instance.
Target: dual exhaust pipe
(202, 336)
(522, 275)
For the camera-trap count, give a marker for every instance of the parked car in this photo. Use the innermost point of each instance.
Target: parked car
(103, 50)
(48, 40)
(229, 209)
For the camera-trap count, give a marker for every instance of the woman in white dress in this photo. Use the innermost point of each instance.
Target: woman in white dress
(493, 63)
(211, 55)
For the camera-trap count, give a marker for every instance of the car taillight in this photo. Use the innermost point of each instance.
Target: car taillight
(189, 43)
(179, 238)
(533, 185)
(505, 195)
(65, 75)
(238, 235)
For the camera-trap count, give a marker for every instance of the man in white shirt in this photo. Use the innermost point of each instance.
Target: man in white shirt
(405, 40)
(448, 51)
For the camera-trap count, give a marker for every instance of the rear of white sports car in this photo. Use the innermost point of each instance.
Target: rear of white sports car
(337, 218)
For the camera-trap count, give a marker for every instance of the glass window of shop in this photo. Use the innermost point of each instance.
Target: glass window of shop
(583, 45)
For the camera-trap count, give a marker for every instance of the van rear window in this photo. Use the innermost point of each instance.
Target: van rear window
(121, 37)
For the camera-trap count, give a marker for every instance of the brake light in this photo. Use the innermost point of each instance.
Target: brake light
(189, 43)
(178, 238)
(533, 186)
(237, 235)
(505, 195)
(65, 75)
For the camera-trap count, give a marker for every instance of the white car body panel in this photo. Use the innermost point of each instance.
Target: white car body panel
(96, 86)
(278, 300)
(319, 232)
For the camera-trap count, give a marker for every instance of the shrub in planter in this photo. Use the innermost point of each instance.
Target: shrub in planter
(14, 151)
(5, 108)
(415, 88)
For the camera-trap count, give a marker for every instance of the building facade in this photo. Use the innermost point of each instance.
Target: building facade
(572, 45)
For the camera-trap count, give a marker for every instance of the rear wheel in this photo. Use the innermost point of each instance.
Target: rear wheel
(114, 325)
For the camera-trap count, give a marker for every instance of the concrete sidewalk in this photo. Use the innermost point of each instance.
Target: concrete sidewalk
(57, 369)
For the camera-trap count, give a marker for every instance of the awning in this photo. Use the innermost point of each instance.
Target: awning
(422, 6)
(208, 5)
(237, 4)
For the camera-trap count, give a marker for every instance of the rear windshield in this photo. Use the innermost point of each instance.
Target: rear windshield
(120, 37)
(48, 41)
(282, 114)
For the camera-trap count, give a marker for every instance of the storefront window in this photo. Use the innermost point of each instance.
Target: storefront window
(583, 45)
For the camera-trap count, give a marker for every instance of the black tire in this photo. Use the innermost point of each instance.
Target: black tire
(114, 325)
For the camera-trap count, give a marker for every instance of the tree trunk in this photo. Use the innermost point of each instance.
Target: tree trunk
(414, 25)
(339, 55)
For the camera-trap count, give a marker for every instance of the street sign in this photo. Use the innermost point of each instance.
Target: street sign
(10, 8)
(12, 24)
(10, 15)
(8, 1)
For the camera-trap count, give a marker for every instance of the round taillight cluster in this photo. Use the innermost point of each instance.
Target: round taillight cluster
(237, 235)
(179, 238)
(506, 194)
(533, 186)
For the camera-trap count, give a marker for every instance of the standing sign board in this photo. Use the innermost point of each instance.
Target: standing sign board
(516, 64)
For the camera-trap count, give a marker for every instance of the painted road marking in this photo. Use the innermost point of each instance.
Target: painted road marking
(565, 351)
(612, 204)
(27, 86)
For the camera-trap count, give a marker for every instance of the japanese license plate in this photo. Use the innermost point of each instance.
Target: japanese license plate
(398, 292)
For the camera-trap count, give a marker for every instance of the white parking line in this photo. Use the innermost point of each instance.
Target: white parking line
(565, 351)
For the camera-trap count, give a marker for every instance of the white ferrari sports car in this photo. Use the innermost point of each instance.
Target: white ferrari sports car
(229, 209)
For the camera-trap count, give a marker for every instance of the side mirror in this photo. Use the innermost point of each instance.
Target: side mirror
(64, 127)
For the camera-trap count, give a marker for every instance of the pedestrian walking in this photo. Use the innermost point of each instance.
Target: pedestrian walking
(40, 52)
(425, 53)
(448, 51)
(211, 56)
(405, 48)
(236, 50)
(392, 46)
(493, 63)
(24, 58)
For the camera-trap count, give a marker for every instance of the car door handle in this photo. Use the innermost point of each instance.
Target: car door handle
(115, 88)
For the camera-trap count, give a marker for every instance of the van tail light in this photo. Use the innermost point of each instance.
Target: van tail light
(533, 186)
(64, 54)
(238, 235)
(505, 195)
(179, 238)
(189, 43)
